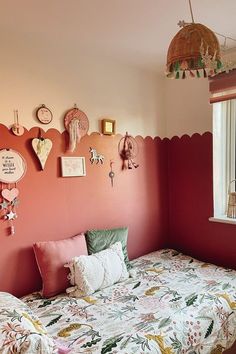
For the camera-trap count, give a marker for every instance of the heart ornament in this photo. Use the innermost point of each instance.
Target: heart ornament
(42, 148)
(10, 194)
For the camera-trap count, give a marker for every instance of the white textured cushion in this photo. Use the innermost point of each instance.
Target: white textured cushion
(20, 329)
(97, 271)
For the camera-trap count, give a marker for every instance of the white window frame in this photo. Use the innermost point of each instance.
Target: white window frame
(224, 144)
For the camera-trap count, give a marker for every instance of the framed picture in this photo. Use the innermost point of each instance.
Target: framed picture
(108, 126)
(73, 166)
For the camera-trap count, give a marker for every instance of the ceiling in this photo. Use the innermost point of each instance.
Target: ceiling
(135, 31)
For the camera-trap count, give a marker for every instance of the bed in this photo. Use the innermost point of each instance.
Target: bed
(171, 304)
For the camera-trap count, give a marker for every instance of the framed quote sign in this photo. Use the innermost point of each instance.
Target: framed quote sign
(12, 166)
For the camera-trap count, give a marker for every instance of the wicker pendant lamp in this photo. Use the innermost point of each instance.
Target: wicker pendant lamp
(193, 52)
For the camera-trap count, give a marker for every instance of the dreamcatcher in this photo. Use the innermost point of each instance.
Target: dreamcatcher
(128, 150)
(12, 169)
(77, 124)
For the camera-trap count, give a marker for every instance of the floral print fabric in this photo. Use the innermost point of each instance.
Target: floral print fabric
(171, 304)
(20, 330)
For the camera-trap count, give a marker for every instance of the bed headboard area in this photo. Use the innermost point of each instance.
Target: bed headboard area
(53, 207)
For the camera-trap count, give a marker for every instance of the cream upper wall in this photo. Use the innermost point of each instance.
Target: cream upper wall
(187, 107)
(142, 102)
(34, 72)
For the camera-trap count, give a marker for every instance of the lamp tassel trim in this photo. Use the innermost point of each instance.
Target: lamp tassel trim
(194, 49)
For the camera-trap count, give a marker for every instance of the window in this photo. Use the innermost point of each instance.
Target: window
(224, 145)
(223, 89)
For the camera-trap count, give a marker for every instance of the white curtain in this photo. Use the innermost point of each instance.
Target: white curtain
(224, 143)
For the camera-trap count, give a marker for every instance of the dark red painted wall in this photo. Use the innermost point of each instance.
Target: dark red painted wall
(52, 207)
(191, 203)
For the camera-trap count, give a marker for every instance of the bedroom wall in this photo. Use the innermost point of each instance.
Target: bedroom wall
(52, 207)
(189, 127)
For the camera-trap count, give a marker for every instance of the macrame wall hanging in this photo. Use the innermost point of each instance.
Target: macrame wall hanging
(12, 169)
(77, 124)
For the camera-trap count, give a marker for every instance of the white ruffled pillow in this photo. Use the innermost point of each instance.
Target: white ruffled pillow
(97, 271)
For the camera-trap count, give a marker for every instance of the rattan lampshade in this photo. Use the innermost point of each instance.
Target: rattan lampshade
(193, 52)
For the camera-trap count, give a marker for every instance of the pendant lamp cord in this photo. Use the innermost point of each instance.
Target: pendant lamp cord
(191, 10)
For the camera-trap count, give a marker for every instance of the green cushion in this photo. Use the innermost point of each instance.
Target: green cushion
(98, 240)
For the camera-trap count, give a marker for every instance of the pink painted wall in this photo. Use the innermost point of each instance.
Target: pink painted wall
(52, 207)
(191, 203)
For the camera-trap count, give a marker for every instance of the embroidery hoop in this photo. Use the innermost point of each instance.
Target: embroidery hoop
(76, 113)
(77, 124)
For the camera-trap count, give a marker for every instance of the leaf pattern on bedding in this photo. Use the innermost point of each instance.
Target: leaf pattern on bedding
(172, 304)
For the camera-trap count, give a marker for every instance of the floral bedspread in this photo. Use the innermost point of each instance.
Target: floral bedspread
(171, 304)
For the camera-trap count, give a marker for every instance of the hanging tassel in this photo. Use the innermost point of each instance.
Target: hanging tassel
(191, 73)
(184, 75)
(170, 75)
(74, 134)
(199, 62)
(219, 64)
(177, 75)
(204, 73)
(176, 66)
(198, 74)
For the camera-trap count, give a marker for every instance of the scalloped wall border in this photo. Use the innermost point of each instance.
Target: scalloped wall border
(140, 137)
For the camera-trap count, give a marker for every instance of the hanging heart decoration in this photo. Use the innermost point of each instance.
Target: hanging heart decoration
(10, 194)
(12, 170)
(42, 148)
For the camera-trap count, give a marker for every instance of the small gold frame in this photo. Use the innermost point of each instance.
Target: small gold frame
(108, 126)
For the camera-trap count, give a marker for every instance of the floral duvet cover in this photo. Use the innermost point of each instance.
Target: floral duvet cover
(171, 304)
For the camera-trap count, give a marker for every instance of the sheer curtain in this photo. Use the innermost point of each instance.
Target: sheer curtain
(224, 144)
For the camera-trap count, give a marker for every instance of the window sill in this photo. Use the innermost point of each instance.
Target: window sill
(223, 219)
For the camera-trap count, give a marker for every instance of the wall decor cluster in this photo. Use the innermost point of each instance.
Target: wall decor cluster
(95, 157)
(128, 150)
(42, 148)
(12, 169)
(73, 166)
(43, 114)
(77, 124)
(16, 128)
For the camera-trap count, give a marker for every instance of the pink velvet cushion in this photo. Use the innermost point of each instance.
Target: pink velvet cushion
(51, 257)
